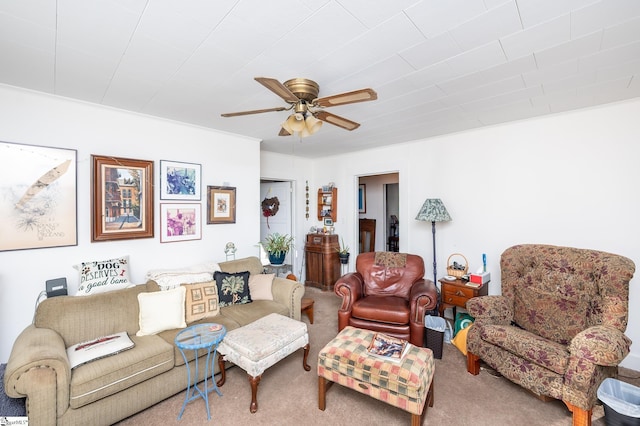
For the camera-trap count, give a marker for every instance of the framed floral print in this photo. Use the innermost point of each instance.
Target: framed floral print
(180, 222)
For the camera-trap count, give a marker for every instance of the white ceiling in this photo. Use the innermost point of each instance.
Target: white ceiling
(439, 66)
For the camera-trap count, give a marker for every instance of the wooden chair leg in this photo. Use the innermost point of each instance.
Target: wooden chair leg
(306, 366)
(223, 375)
(581, 417)
(322, 392)
(473, 363)
(255, 381)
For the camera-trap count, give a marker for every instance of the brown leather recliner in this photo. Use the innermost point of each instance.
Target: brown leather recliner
(387, 293)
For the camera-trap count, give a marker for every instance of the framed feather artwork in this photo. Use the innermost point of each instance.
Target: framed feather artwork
(38, 197)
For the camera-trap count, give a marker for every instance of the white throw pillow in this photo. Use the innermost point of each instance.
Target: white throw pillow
(103, 275)
(260, 286)
(161, 310)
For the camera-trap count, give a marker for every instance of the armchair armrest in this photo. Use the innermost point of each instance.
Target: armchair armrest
(423, 297)
(289, 293)
(38, 369)
(601, 345)
(349, 288)
(490, 309)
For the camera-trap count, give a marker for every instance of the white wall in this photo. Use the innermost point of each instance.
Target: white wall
(37, 119)
(567, 179)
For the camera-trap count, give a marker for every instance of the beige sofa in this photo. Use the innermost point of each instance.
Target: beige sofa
(113, 388)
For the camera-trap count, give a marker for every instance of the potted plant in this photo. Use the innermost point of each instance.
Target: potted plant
(343, 252)
(277, 246)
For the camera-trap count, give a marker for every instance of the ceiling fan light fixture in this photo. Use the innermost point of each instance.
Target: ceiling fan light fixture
(312, 124)
(296, 122)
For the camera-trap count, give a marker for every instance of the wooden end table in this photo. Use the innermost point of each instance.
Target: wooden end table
(455, 294)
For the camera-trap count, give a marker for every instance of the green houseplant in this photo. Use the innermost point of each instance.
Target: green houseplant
(343, 252)
(277, 246)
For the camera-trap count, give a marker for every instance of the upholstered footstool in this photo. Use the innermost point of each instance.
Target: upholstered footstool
(259, 345)
(406, 385)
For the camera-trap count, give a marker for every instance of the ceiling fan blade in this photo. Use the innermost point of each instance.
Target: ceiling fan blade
(336, 120)
(362, 95)
(278, 88)
(255, 111)
(283, 132)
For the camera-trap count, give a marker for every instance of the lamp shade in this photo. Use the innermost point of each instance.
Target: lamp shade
(433, 210)
(296, 122)
(313, 124)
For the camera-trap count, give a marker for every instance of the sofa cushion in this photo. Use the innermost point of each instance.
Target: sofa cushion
(169, 336)
(107, 376)
(526, 345)
(245, 314)
(101, 276)
(233, 288)
(161, 310)
(201, 301)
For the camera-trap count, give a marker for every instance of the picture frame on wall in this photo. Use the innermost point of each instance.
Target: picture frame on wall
(180, 181)
(327, 221)
(221, 204)
(180, 222)
(122, 198)
(38, 197)
(362, 198)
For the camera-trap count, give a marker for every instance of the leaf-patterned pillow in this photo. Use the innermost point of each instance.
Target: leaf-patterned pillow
(233, 289)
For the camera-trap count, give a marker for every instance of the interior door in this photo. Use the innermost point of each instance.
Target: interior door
(278, 196)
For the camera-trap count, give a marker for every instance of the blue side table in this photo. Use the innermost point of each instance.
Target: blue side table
(200, 336)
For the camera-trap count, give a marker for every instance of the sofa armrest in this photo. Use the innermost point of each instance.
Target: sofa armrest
(288, 293)
(490, 309)
(601, 345)
(423, 297)
(38, 369)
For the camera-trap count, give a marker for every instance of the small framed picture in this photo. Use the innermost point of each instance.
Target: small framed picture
(180, 222)
(180, 181)
(328, 221)
(221, 204)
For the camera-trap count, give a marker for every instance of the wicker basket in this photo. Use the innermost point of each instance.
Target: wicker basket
(457, 272)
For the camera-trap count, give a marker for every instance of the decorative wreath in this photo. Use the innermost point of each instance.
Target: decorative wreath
(270, 207)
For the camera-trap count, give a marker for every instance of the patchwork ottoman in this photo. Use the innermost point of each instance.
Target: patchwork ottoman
(407, 384)
(259, 345)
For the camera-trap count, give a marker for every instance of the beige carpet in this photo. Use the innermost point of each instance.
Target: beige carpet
(288, 395)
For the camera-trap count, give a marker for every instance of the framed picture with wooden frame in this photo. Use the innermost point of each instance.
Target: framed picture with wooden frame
(221, 204)
(122, 198)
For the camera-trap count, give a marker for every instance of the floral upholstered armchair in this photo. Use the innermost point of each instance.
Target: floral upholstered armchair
(558, 327)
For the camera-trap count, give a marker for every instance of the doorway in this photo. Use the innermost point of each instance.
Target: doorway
(379, 197)
(276, 204)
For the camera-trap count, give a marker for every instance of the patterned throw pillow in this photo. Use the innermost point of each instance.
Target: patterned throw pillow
(232, 288)
(201, 301)
(102, 276)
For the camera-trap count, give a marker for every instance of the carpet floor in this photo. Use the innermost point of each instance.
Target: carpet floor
(288, 395)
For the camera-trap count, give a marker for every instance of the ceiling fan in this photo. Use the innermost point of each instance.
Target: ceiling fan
(308, 110)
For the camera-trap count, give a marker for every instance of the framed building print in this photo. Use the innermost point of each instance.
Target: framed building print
(180, 181)
(122, 198)
(180, 222)
(221, 204)
(38, 197)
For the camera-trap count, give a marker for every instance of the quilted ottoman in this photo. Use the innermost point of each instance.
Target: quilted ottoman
(259, 345)
(406, 385)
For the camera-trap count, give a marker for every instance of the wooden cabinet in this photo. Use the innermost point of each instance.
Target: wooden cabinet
(328, 204)
(322, 261)
(456, 293)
